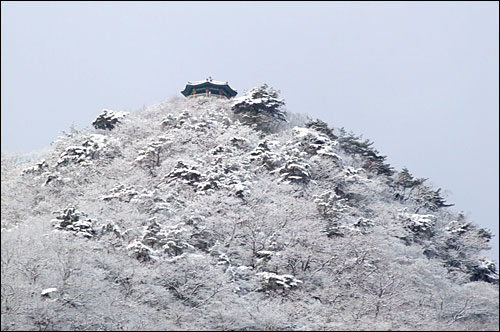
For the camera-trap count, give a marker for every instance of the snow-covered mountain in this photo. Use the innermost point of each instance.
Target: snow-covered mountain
(217, 214)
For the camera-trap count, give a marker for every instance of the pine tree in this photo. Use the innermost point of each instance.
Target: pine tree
(372, 160)
(406, 181)
(322, 127)
(261, 107)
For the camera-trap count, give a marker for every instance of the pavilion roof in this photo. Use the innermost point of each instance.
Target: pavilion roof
(209, 82)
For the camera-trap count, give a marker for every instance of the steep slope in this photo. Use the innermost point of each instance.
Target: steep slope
(204, 214)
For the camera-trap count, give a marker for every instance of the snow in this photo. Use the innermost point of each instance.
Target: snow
(418, 223)
(142, 251)
(121, 193)
(286, 280)
(264, 253)
(244, 268)
(301, 132)
(108, 119)
(85, 153)
(195, 83)
(48, 291)
(486, 264)
(194, 238)
(37, 169)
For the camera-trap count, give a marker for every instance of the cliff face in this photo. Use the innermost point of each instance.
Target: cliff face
(215, 214)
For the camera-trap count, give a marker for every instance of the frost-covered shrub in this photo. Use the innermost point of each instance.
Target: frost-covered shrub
(331, 208)
(122, 193)
(329, 204)
(185, 173)
(263, 155)
(175, 240)
(157, 239)
(170, 121)
(459, 232)
(74, 221)
(419, 223)
(172, 240)
(111, 227)
(240, 190)
(76, 154)
(184, 118)
(54, 179)
(363, 225)
(260, 149)
(273, 281)
(151, 157)
(90, 150)
(314, 142)
(239, 142)
(201, 239)
(142, 252)
(264, 254)
(37, 169)
(152, 236)
(295, 170)
(241, 272)
(222, 175)
(108, 119)
(421, 226)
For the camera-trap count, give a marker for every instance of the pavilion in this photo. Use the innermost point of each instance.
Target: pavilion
(208, 88)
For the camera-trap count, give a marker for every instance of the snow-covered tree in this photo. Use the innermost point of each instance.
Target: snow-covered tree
(108, 119)
(260, 106)
(321, 127)
(372, 160)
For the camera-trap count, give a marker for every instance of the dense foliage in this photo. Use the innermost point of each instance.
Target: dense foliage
(199, 214)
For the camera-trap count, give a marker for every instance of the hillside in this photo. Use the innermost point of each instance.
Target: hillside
(215, 214)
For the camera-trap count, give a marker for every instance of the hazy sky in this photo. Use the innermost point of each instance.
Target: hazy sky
(421, 80)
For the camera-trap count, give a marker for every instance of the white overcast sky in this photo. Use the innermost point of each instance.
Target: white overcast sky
(420, 79)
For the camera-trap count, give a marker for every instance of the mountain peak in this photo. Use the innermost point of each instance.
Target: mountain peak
(216, 213)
